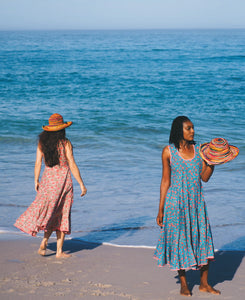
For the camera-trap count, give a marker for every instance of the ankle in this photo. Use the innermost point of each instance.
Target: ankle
(184, 290)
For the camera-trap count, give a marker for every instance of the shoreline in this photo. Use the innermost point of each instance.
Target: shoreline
(19, 235)
(105, 271)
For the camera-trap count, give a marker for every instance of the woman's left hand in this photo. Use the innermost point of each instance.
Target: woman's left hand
(84, 191)
(207, 171)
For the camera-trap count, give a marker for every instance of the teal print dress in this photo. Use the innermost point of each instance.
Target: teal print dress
(185, 240)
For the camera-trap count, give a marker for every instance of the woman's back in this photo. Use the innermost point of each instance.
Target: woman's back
(61, 154)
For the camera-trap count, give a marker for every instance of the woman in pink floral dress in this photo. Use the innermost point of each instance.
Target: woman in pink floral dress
(51, 209)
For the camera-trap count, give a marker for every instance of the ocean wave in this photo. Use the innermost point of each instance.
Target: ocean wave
(113, 229)
(12, 205)
(229, 225)
(8, 232)
(15, 140)
(226, 58)
(164, 50)
(129, 246)
(137, 228)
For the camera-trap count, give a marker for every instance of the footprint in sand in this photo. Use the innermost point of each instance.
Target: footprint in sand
(48, 283)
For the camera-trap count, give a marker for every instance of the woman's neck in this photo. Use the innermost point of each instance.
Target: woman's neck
(186, 150)
(184, 145)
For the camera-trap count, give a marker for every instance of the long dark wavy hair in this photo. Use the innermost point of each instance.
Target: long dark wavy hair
(176, 133)
(49, 142)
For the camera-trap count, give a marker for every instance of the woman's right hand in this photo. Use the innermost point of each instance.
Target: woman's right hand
(36, 186)
(159, 219)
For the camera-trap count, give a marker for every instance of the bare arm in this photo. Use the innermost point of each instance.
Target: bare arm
(207, 171)
(165, 183)
(74, 168)
(38, 165)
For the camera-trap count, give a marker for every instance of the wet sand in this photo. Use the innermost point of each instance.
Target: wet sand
(105, 272)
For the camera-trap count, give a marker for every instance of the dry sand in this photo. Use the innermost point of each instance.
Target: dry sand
(106, 272)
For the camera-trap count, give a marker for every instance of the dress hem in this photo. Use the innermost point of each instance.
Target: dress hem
(34, 233)
(192, 267)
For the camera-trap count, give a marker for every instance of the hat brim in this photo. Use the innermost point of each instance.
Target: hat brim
(56, 127)
(217, 160)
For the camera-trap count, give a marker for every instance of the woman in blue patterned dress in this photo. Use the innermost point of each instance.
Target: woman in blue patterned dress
(185, 240)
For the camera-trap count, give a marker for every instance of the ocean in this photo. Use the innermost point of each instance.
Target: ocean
(122, 89)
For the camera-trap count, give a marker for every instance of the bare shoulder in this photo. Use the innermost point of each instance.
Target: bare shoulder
(39, 147)
(68, 144)
(68, 149)
(166, 152)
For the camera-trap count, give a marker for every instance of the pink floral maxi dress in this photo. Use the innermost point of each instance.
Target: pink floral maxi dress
(51, 209)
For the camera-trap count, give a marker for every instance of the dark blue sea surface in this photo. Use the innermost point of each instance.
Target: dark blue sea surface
(122, 89)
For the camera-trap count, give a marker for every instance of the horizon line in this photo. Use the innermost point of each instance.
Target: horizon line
(122, 29)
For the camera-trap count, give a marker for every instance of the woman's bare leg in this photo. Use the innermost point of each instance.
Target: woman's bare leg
(44, 243)
(204, 286)
(60, 241)
(184, 289)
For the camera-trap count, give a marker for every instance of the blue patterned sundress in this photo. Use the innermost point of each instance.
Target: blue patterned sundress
(185, 240)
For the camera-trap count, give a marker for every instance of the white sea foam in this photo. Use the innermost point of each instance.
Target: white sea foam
(129, 246)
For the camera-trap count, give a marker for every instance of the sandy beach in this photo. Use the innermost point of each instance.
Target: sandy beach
(106, 272)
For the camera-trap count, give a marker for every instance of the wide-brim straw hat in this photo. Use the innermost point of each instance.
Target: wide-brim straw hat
(56, 123)
(218, 151)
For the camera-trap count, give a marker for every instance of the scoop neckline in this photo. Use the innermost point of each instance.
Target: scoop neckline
(188, 159)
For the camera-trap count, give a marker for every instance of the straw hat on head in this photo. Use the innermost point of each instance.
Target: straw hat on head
(218, 151)
(56, 123)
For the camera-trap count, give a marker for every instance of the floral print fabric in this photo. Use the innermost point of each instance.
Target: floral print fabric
(185, 239)
(51, 208)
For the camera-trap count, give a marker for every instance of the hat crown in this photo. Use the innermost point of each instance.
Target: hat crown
(219, 144)
(55, 120)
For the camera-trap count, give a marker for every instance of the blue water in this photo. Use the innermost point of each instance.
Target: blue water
(122, 89)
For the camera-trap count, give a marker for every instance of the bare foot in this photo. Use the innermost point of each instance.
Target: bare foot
(184, 291)
(42, 249)
(209, 289)
(63, 255)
